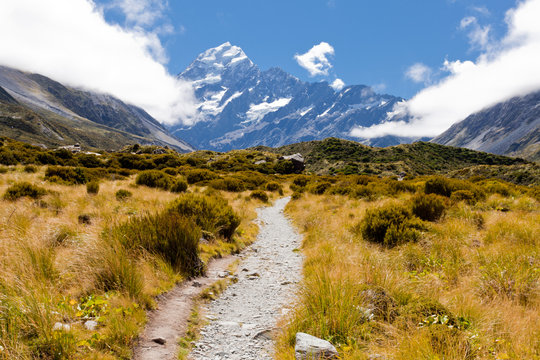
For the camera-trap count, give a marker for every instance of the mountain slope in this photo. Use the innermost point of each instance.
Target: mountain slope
(510, 128)
(242, 106)
(88, 117)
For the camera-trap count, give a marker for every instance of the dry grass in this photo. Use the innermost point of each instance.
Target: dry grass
(52, 262)
(468, 289)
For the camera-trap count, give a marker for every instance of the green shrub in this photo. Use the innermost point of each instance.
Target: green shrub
(23, 189)
(252, 180)
(443, 186)
(284, 167)
(123, 194)
(259, 194)
(68, 175)
(390, 225)
(319, 188)
(440, 186)
(173, 237)
(273, 186)
(463, 195)
(154, 179)
(296, 195)
(179, 186)
(228, 184)
(92, 187)
(429, 207)
(170, 171)
(301, 180)
(199, 175)
(210, 213)
(30, 169)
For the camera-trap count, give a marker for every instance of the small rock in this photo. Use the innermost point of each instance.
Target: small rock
(159, 340)
(310, 347)
(196, 284)
(223, 274)
(59, 327)
(91, 325)
(264, 335)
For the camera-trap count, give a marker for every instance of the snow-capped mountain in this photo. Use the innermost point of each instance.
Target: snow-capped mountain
(242, 106)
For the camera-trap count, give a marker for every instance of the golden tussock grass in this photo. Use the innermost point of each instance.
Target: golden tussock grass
(469, 288)
(56, 266)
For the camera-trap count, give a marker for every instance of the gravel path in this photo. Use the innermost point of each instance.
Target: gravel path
(169, 321)
(242, 319)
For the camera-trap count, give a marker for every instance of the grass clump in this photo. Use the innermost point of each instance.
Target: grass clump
(273, 186)
(154, 179)
(123, 194)
(210, 213)
(429, 207)
(260, 195)
(173, 237)
(228, 184)
(179, 186)
(198, 175)
(390, 225)
(66, 175)
(31, 169)
(92, 187)
(23, 189)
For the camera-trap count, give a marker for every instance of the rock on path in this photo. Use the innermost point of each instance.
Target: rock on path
(243, 318)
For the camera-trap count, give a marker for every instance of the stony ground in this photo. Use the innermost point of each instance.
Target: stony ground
(243, 318)
(168, 322)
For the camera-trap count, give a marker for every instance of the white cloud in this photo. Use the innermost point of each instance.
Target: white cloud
(479, 36)
(141, 12)
(337, 84)
(70, 41)
(419, 73)
(315, 61)
(509, 68)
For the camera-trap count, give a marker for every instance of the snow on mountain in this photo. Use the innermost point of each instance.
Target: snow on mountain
(241, 106)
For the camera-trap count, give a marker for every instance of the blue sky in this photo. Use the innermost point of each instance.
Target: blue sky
(375, 42)
(448, 58)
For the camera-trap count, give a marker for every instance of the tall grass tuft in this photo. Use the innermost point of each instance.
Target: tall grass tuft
(23, 189)
(173, 237)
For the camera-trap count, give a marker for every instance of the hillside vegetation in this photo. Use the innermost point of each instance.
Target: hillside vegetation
(421, 158)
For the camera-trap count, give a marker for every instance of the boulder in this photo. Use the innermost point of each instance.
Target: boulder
(297, 160)
(310, 348)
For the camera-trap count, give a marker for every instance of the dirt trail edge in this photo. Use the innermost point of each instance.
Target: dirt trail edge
(243, 318)
(169, 320)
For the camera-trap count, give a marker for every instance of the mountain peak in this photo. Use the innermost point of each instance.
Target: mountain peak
(224, 55)
(216, 61)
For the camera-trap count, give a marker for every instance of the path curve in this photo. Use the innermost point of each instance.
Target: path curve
(242, 319)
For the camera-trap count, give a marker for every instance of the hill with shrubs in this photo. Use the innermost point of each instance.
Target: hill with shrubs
(334, 155)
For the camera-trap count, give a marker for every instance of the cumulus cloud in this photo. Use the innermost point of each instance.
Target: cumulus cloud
(337, 84)
(70, 41)
(507, 69)
(316, 61)
(419, 73)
